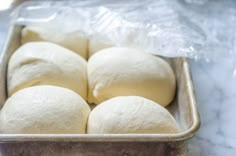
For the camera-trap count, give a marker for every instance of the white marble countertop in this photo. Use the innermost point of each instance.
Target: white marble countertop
(215, 87)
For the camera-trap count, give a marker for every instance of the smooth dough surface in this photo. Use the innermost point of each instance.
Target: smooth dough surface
(73, 41)
(125, 72)
(44, 110)
(44, 63)
(96, 45)
(130, 114)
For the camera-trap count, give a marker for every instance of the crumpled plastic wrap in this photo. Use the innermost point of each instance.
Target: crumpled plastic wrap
(153, 26)
(167, 28)
(217, 19)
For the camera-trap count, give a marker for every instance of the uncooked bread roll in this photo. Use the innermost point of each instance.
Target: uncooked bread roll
(43, 63)
(125, 72)
(96, 45)
(73, 41)
(44, 110)
(130, 114)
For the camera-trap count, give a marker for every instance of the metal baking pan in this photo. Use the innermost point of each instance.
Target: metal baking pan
(183, 108)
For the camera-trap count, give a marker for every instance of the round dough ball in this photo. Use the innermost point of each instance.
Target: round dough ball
(44, 110)
(43, 63)
(73, 41)
(130, 114)
(96, 45)
(125, 72)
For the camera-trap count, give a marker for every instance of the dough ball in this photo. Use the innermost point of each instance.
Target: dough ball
(44, 110)
(125, 72)
(130, 114)
(73, 41)
(96, 45)
(43, 63)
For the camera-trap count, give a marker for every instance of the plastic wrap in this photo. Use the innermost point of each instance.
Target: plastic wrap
(167, 28)
(153, 26)
(217, 19)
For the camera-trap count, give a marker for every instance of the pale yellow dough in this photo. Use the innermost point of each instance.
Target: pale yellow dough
(43, 63)
(74, 41)
(125, 72)
(130, 114)
(96, 45)
(44, 110)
